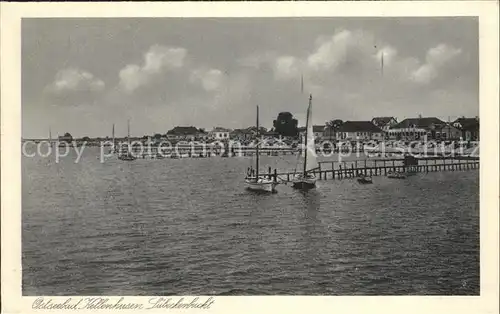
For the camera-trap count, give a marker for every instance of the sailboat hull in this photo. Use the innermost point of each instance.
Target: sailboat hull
(304, 183)
(262, 185)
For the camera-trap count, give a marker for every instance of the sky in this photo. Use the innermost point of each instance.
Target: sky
(83, 75)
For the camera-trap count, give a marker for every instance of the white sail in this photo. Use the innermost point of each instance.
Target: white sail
(310, 160)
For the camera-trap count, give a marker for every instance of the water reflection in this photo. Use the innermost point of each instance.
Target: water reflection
(312, 248)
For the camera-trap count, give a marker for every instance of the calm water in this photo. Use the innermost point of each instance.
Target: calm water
(188, 227)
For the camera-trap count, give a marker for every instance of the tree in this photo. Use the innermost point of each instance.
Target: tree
(86, 139)
(334, 126)
(285, 124)
(262, 129)
(66, 138)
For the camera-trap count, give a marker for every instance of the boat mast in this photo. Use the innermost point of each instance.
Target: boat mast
(113, 135)
(257, 149)
(307, 127)
(50, 136)
(128, 135)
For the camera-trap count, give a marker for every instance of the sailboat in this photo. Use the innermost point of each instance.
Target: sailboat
(50, 137)
(253, 180)
(113, 147)
(306, 179)
(128, 155)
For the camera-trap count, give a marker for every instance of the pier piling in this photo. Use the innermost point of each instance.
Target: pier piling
(350, 169)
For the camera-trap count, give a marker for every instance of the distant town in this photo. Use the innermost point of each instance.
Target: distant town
(285, 128)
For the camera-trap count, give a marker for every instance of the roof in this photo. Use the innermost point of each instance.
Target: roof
(242, 131)
(271, 133)
(381, 121)
(418, 123)
(183, 130)
(318, 128)
(359, 126)
(467, 123)
(220, 129)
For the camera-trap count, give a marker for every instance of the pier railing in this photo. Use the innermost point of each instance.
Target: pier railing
(378, 167)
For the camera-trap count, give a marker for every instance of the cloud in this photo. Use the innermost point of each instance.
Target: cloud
(257, 60)
(344, 51)
(355, 53)
(287, 67)
(342, 71)
(389, 54)
(437, 58)
(156, 60)
(332, 51)
(75, 80)
(424, 74)
(209, 79)
(441, 54)
(345, 73)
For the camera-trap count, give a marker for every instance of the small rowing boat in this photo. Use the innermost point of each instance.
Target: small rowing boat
(396, 175)
(365, 179)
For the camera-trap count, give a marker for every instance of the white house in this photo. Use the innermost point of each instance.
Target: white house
(429, 128)
(359, 130)
(219, 133)
(469, 128)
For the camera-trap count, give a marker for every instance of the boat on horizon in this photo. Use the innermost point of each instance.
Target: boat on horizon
(306, 179)
(127, 156)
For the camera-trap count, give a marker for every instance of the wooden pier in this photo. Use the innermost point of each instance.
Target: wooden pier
(380, 167)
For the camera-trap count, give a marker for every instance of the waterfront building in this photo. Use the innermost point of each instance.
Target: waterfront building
(448, 132)
(469, 128)
(242, 135)
(188, 133)
(219, 133)
(318, 131)
(384, 123)
(428, 128)
(359, 130)
(270, 134)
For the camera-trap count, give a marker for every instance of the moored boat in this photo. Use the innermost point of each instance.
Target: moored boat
(304, 182)
(396, 175)
(127, 156)
(306, 179)
(254, 181)
(365, 179)
(260, 184)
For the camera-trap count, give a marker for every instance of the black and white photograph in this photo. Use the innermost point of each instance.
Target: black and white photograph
(250, 156)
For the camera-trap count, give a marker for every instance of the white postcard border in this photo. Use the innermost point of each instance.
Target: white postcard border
(487, 11)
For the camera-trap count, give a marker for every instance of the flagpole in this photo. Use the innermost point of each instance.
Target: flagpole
(302, 84)
(382, 64)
